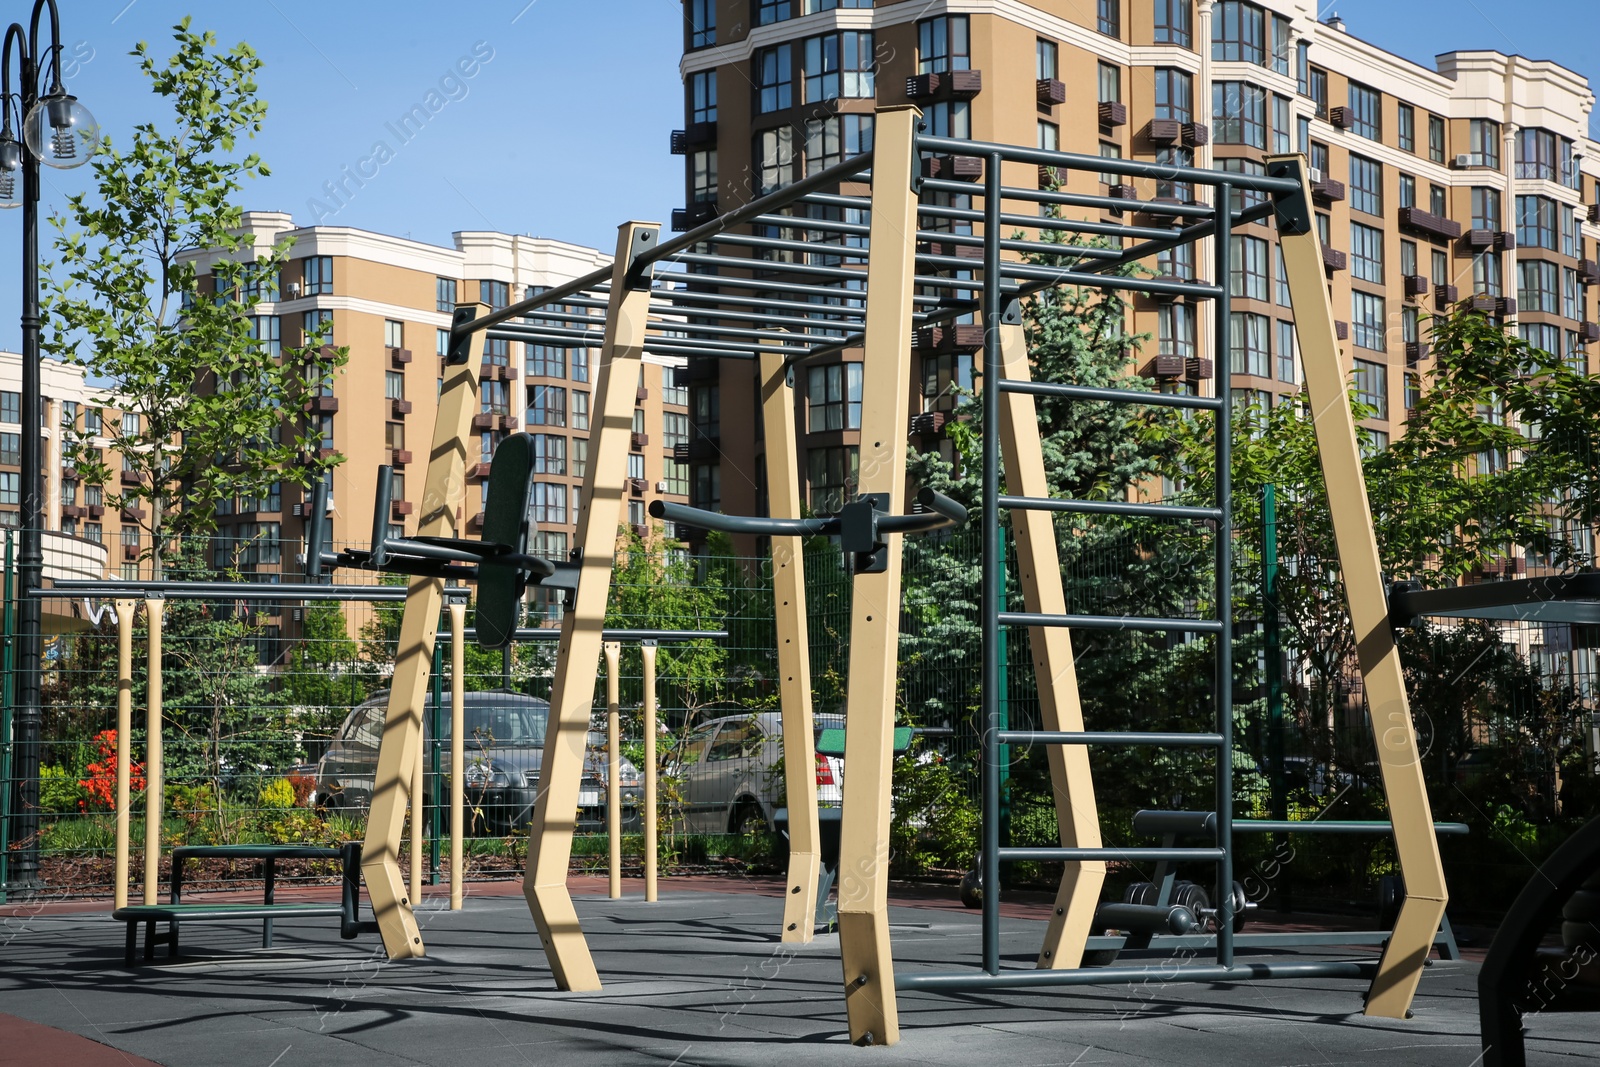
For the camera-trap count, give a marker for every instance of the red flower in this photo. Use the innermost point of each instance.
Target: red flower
(101, 785)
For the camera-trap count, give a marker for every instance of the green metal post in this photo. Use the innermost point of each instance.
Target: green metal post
(1274, 650)
(8, 633)
(433, 743)
(1005, 709)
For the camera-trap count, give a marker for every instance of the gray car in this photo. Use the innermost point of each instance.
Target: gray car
(728, 775)
(504, 750)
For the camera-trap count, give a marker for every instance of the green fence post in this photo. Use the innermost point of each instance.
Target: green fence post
(7, 653)
(433, 744)
(1005, 711)
(1273, 635)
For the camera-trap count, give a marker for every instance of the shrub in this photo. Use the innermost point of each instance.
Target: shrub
(101, 783)
(278, 794)
(59, 790)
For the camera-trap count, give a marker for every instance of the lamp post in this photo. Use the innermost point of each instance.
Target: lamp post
(59, 132)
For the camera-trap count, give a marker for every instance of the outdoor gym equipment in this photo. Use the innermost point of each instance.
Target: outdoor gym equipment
(854, 282)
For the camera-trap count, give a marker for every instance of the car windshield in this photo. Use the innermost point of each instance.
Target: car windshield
(506, 725)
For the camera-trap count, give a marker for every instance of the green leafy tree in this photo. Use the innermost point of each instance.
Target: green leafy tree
(322, 682)
(124, 300)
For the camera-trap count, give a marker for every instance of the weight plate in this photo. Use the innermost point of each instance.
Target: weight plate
(1238, 900)
(1140, 893)
(971, 890)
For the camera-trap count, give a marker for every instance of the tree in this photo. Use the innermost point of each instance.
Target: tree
(322, 680)
(124, 301)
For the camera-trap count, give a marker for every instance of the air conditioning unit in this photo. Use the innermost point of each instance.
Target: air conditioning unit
(1463, 160)
(661, 487)
(292, 288)
(1314, 173)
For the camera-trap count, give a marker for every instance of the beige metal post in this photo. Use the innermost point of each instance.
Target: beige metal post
(1039, 568)
(458, 747)
(1399, 761)
(577, 655)
(125, 609)
(613, 650)
(875, 609)
(154, 775)
(417, 816)
(648, 814)
(794, 653)
(400, 747)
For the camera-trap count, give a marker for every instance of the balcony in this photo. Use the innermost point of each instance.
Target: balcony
(953, 168)
(696, 214)
(399, 408)
(963, 337)
(1196, 134)
(399, 457)
(1333, 259)
(928, 423)
(1327, 190)
(1430, 224)
(638, 441)
(693, 136)
(1415, 285)
(399, 357)
(1341, 118)
(1113, 113)
(948, 85)
(1050, 92)
(322, 405)
(1445, 294)
(1165, 131)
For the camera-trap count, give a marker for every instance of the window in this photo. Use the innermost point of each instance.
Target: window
(317, 274)
(547, 406)
(580, 410)
(1536, 222)
(1485, 208)
(394, 436)
(549, 454)
(1408, 259)
(1248, 275)
(950, 118)
(1536, 154)
(770, 11)
(1248, 338)
(394, 385)
(1282, 275)
(1366, 185)
(1483, 143)
(703, 96)
(775, 156)
(1110, 151)
(1366, 253)
(1408, 127)
(69, 414)
(1413, 391)
(835, 138)
(1175, 330)
(1303, 124)
(1239, 110)
(1366, 320)
(444, 294)
(1372, 387)
(1110, 83)
(1109, 20)
(703, 177)
(1282, 125)
(1541, 335)
(1319, 90)
(840, 65)
(580, 369)
(1173, 23)
(834, 397)
(706, 487)
(1436, 138)
(441, 342)
(394, 334)
(701, 15)
(1238, 33)
(548, 503)
(1437, 202)
(91, 417)
(1281, 44)
(1366, 112)
(497, 353)
(636, 468)
(267, 331)
(1170, 188)
(674, 429)
(11, 449)
(1302, 68)
(11, 488)
(832, 474)
(1571, 294)
(1486, 274)
(1537, 283)
(677, 477)
(1045, 54)
(1408, 191)
(496, 294)
(580, 455)
(1178, 262)
(130, 424)
(1244, 198)
(1174, 94)
(1571, 233)
(706, 411)
(1048, 136)
(942, 45)
(1288, 353)
(324, 426)
(546, 361)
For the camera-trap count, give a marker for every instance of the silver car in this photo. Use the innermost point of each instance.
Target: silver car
(504, 750)
(728, 775)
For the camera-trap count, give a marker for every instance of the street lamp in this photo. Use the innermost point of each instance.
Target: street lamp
(58, 131)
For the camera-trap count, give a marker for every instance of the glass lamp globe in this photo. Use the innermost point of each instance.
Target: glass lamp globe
(61, 132)
(10, 172)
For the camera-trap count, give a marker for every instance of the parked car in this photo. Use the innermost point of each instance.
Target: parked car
(504, 749)
(728, 773)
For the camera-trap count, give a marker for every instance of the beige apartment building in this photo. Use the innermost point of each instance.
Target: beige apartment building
(389, 300)
(1472, 180)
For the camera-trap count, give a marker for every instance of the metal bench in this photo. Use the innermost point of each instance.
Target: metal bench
(175, 911)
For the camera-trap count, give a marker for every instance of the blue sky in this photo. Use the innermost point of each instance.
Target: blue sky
(563, 130)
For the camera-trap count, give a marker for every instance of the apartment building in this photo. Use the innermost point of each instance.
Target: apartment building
(1472, 180)
(389, 300)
